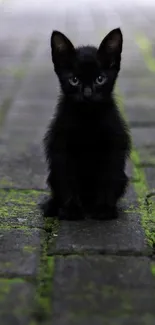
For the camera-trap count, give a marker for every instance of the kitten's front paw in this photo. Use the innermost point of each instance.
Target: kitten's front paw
(73, 201)
(72, 210)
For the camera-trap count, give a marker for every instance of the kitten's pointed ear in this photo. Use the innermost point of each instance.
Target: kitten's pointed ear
(112, 43)
(61, 48)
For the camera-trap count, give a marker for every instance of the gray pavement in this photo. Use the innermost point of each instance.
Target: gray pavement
(87, 272)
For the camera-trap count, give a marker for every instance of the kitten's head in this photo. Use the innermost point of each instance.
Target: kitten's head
(87, 73)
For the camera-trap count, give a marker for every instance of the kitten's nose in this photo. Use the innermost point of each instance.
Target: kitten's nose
(87, 92)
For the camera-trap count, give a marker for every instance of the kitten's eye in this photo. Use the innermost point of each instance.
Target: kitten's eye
(100, 80)
(74, 81)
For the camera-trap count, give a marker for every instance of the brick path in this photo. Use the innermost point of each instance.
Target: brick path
(73, 273)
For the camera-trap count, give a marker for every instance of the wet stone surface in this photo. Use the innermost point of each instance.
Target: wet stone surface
(72, 273)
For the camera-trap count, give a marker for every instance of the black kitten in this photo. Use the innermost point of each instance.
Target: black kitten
(87, 143)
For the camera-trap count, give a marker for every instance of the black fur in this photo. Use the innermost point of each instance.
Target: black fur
(87, 142)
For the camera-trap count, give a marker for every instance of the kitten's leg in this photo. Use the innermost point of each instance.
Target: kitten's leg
(109, 190)
(63, 181)
(49, 207)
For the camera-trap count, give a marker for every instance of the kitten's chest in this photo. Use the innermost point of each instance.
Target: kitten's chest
(87, 138)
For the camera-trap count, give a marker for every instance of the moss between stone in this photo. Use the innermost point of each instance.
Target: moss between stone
(20, 196)
(153, 268)
(33, 322)
(43, 308)
(29, 249)
(13, 200)
(4, 182)
(19, 209)
(141, 188)
(6, 285)
(147, 157)
(27, 230)
(147, 218)
(43, 299)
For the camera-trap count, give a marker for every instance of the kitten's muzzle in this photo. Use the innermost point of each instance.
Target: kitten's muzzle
(87, 93)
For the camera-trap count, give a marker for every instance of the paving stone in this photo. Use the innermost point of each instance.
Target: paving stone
(16, 301)
(19, 250)
(102, 290)
(44, 81)
(147, 156)
(13, 66)
(103, 236)
(140, 111)
(21, 125)
(13, 56)
(8, 85)
(23, 170)
(150, 176)
(21, 216)
(137, 86)
(143, 137)
(20, 208)
(100, 320)
(94, 236)
(87, 290)
(21, 144)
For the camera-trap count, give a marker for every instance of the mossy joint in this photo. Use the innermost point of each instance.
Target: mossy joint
(141, 188)
(6, 285)
(19, 209)
(146, 48)
(147, 220)
(29, 249)
(151, 194)
(153, 268)
(16, 200)
(43, 308)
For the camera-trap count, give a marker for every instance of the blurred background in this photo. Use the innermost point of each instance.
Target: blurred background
(90, 272)
(29, 87)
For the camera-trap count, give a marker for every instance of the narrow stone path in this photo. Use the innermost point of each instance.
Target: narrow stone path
(73, 273)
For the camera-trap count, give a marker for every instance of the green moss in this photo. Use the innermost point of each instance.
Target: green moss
(25, 229)
(141, 187)
(53, 227)
(4, 182)
(6, 285)
(5, 265)
(146, 211)
(33, 322)
(18, 202)
(21, 197)
(146, 48)
(45, 285)
(43, 298)
(148, 318)
(17, 73)
(29, 249)
(19, 209)
(44, 290)
(153, 268)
